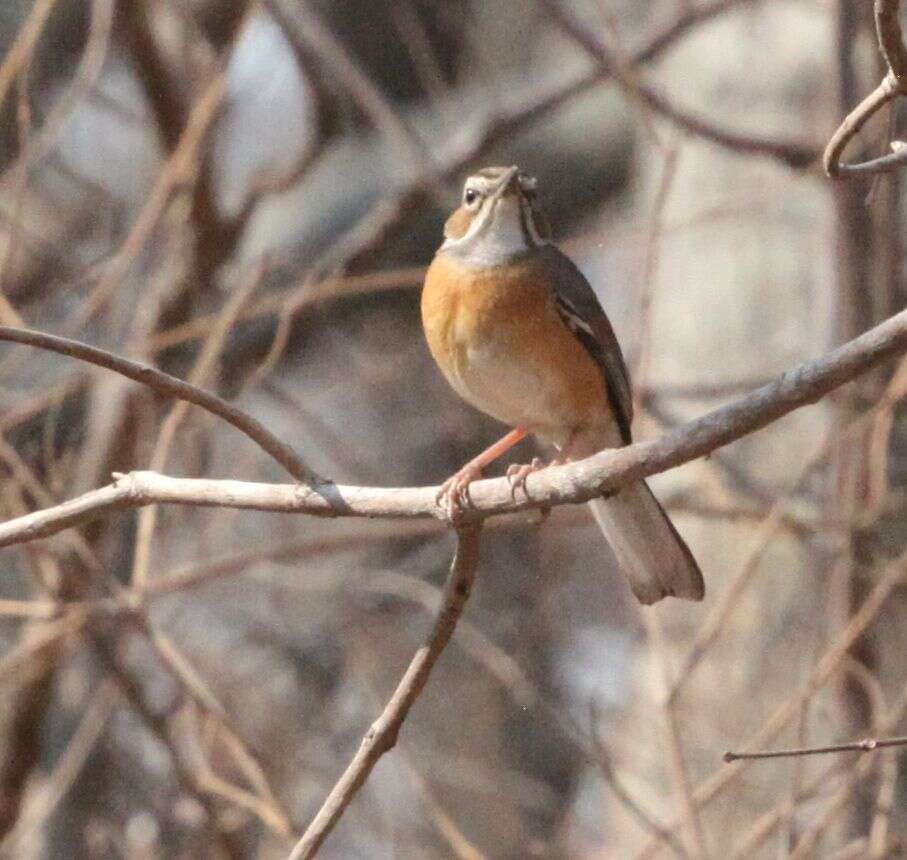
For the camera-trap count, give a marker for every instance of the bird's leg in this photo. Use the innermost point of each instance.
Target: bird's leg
(454, 492)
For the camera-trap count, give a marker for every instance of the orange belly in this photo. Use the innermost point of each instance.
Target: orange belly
(497, 337)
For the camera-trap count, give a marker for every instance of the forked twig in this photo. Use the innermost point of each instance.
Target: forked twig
(894, 84)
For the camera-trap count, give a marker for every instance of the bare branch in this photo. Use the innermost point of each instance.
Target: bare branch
(572, 483)
(179, 167)
(382, 736)
(867, 745)
(173, 387)
(894, 84)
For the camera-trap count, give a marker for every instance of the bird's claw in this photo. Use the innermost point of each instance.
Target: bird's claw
(517, 474)
(453, 497)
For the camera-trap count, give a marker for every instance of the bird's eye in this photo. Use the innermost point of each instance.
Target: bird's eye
(470, 196)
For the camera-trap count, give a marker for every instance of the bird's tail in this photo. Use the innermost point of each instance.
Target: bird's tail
(651, 553)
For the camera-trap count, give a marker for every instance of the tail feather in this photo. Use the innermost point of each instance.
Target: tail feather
(649, 550)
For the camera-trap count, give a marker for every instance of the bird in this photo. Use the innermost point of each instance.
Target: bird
(519, 333)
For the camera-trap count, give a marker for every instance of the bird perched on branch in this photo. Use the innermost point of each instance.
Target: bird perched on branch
(519, 333)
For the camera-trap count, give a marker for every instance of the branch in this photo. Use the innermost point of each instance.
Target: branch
(575, 482)
(867, 745)
(382, 736)
(170, 385)
(894, 84)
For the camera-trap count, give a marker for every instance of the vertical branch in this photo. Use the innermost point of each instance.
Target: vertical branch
(856, 260)
(382, 736)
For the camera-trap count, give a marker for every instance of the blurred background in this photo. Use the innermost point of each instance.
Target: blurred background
(246, 195)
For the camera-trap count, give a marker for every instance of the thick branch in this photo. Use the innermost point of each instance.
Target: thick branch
(574, 482)
(382, 736)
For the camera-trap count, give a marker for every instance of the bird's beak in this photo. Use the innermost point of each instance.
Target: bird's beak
(507, 183)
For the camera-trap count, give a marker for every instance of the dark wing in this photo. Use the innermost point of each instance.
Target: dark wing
(579, 308)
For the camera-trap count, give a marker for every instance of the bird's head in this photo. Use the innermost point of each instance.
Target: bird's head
(497, 219)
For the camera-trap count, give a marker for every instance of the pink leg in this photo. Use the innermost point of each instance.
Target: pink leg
(454, 492)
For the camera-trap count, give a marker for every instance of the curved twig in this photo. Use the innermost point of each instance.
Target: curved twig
(170, 385)
(894, 84)
(382, 736)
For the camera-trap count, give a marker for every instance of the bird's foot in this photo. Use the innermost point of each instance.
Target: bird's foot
(453, 497)
(517, 474)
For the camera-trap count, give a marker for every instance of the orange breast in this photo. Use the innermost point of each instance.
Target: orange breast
(497, 337)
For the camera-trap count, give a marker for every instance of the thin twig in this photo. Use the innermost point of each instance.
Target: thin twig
(602, 758)
(885, 796)
(39, 805)
(867, 745)
(85, 77)
(831, 660)
(382, 736)
(179, 168)
(689, 812)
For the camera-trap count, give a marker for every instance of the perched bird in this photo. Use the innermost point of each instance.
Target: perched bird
(518, 332)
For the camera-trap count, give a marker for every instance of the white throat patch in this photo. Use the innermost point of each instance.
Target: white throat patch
(496, 240)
